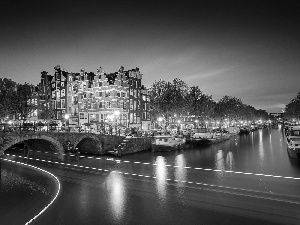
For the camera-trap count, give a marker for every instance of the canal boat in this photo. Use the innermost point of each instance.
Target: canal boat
(166, 143)
(244, 130)
(233, 131)
(206, 136)
(200, 136)
(293, 141)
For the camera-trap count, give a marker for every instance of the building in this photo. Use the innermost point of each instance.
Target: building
(114, 99)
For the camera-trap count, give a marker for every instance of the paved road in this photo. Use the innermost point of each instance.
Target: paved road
(246, 180)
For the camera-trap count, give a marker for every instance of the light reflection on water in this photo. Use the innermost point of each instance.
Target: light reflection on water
(261, 150)
(230, 160)
(219, 164)
(161, 174)
(117, 195)
(180, 173)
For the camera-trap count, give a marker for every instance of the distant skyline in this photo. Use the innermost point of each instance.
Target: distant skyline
(246, 49)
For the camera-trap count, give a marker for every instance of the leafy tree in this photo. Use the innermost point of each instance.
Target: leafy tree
(230, 108)
(168, 98)
(21, 100)
(292, 110)
(47, 114)
(200, 105)
(7, 93)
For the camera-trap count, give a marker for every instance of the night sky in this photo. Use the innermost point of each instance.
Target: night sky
(246, 49)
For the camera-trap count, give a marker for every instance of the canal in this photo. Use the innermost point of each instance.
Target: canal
(247, 179)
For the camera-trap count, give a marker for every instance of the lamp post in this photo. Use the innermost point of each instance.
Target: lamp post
(196, 123)
(67, 116)
(159, 120)
(117, 116)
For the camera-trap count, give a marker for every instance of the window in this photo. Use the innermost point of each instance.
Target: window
(81, 115)
(63, 93)
(131, 104)
(131, 118)
(124, 105)
(63, 103)
(118, 94)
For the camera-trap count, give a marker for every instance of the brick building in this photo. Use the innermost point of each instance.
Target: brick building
(116, 98)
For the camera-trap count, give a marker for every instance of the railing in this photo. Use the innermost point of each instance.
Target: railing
(35, 128)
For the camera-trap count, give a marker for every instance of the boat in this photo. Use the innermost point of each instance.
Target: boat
(244, 130)
(205, 136)
(293, 141)
(166, 143)
(200, 136)
(233, 131)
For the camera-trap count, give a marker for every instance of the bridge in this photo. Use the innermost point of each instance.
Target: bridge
(60, 141)
(277, 114)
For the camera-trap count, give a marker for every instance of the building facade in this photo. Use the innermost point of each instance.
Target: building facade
(84, 98)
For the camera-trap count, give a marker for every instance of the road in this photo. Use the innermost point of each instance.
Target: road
(248, 179)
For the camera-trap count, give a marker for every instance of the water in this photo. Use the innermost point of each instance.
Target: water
(153, 188)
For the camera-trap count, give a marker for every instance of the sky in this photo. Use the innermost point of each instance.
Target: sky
(248, 49)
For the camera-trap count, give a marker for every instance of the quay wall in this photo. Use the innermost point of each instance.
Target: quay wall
(136, 144)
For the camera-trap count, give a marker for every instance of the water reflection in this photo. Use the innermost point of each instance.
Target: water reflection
(161, 174)
(219, 164)
(261, 150)
(180, 173)
(117, 195)
(229, 160)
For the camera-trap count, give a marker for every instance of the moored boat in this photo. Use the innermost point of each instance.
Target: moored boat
(293, 141)
(205, 138)
(166, 143)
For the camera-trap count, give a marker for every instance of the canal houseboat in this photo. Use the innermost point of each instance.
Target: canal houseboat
(167, 143)
(293, 141)
(206, 136)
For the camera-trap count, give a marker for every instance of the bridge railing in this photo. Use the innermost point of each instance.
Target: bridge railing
(35, 128)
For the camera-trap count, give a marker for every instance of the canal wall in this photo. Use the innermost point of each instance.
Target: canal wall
(88, 143)
(131, 145)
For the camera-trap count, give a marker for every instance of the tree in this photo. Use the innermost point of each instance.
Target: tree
(230, 108)
(200, 105)
(47, 114)
(21, 100)
(168, 98)
(7, 93)
(292, 110)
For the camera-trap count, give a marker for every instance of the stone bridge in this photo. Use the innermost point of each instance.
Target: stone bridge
(62, 141)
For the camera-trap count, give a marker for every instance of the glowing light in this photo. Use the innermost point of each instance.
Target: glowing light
(67, 116)
(159, 119)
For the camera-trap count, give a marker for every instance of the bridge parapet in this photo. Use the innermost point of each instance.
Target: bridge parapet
(60, 140)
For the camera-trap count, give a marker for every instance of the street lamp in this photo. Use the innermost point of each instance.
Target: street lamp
(117, 116)
(196, 123)
(67, 116)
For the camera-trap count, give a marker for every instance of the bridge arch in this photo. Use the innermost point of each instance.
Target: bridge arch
(99, 143)
(12, 140)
